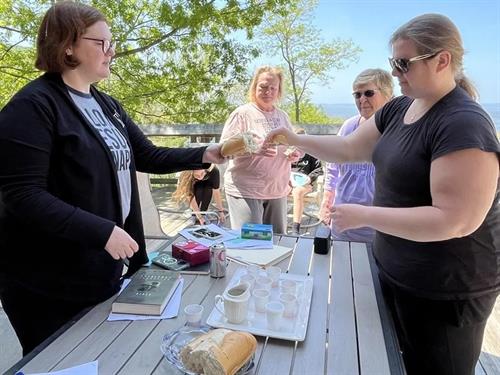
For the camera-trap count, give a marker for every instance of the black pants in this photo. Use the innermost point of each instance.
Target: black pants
(35, 317)
(203, 196)
(438, 337)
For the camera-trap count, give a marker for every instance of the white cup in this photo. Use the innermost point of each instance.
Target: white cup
(289, 301)
(193, 314)
(248, 278)
(253, 270)
(234, 302)
(263, 282)
(261, 298)
(288, 286)
(274, 273)
(274, 314)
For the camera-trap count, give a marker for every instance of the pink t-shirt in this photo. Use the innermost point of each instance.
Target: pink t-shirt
(254, 176)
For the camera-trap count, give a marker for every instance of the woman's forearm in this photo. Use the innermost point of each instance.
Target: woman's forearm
(421, 224)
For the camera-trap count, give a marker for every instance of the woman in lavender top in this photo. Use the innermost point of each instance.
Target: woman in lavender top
(354, 182)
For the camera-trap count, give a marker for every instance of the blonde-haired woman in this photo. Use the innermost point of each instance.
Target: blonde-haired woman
(196, 188)
(435, 210)
(256, 185)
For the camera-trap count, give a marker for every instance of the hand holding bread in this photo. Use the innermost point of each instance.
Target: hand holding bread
(239, 144)
(218, 352)
(281, 136)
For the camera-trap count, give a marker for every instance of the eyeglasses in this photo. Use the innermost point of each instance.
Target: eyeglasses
(367, 93)
(106, 44)
(403, 65)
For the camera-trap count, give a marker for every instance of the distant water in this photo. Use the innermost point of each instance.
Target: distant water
(346, 110)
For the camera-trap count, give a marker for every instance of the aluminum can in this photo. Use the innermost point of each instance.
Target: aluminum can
(218, 260)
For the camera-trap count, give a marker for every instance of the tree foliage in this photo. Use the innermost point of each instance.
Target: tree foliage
(175, 59)
(307, 57)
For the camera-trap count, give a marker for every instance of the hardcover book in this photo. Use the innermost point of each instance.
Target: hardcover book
(147, 293)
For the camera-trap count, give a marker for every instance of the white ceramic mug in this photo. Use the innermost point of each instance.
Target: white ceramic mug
(234, 302)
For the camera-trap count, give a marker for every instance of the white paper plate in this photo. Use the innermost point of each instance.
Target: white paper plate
(293, 329)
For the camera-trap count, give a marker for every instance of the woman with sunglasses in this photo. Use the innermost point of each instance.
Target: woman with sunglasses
(435, 210)
(355, 182)
(71, 214)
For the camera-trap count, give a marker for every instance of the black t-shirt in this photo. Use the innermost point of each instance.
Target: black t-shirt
(210, 181)
(310, 166)
(453, 269)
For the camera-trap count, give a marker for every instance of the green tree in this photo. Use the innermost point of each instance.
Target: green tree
(175, 59)
(307, 57)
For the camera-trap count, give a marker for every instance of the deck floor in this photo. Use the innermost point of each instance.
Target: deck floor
(172, 223)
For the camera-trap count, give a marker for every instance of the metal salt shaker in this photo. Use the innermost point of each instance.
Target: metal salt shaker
(218, 260)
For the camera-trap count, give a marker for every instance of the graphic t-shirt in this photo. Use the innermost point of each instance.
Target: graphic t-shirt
(114, 139)
(251, 175)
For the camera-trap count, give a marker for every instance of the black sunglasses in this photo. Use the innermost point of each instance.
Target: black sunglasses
(367, 93)
(106, 45)
(403, 65)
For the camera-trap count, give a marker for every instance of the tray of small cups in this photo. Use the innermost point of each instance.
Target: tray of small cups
(265, 302)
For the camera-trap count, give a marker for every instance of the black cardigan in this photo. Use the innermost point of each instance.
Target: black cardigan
(61, 196)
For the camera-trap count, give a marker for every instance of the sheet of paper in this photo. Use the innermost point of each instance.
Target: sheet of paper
(226, 235)
(170, 311)
(263, 257)
(85, 369)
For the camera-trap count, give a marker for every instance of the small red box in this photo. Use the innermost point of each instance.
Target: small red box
(192, 252)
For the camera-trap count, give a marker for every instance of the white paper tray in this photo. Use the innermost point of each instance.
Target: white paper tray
(293, 329)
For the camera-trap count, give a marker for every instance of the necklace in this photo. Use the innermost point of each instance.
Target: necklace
(416, 114)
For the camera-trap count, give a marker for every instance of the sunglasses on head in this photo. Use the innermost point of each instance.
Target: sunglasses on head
(403, 65)
(366, 93)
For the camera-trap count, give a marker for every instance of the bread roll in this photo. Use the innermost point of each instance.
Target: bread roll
(218, 352)
(239, 144)
(280, 139)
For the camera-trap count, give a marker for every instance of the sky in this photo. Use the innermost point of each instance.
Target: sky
(370, 23)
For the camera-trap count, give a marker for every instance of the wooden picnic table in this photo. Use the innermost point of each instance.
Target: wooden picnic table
(349, 331)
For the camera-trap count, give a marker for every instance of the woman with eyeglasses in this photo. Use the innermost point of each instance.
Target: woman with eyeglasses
(71, 214)
(355, 182)
(435, 210)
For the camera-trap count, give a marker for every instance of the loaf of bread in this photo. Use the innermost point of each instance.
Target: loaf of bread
(239, 144)
(218, 352)
(280, 139)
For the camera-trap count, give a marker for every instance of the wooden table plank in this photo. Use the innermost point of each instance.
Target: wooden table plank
(310, 354)
(148, 354)
(342, 343)
(116, 355)
(65, 343)
(301, 259)
(371, 345)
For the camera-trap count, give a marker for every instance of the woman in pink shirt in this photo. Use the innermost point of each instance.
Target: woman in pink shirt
(256, 184)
